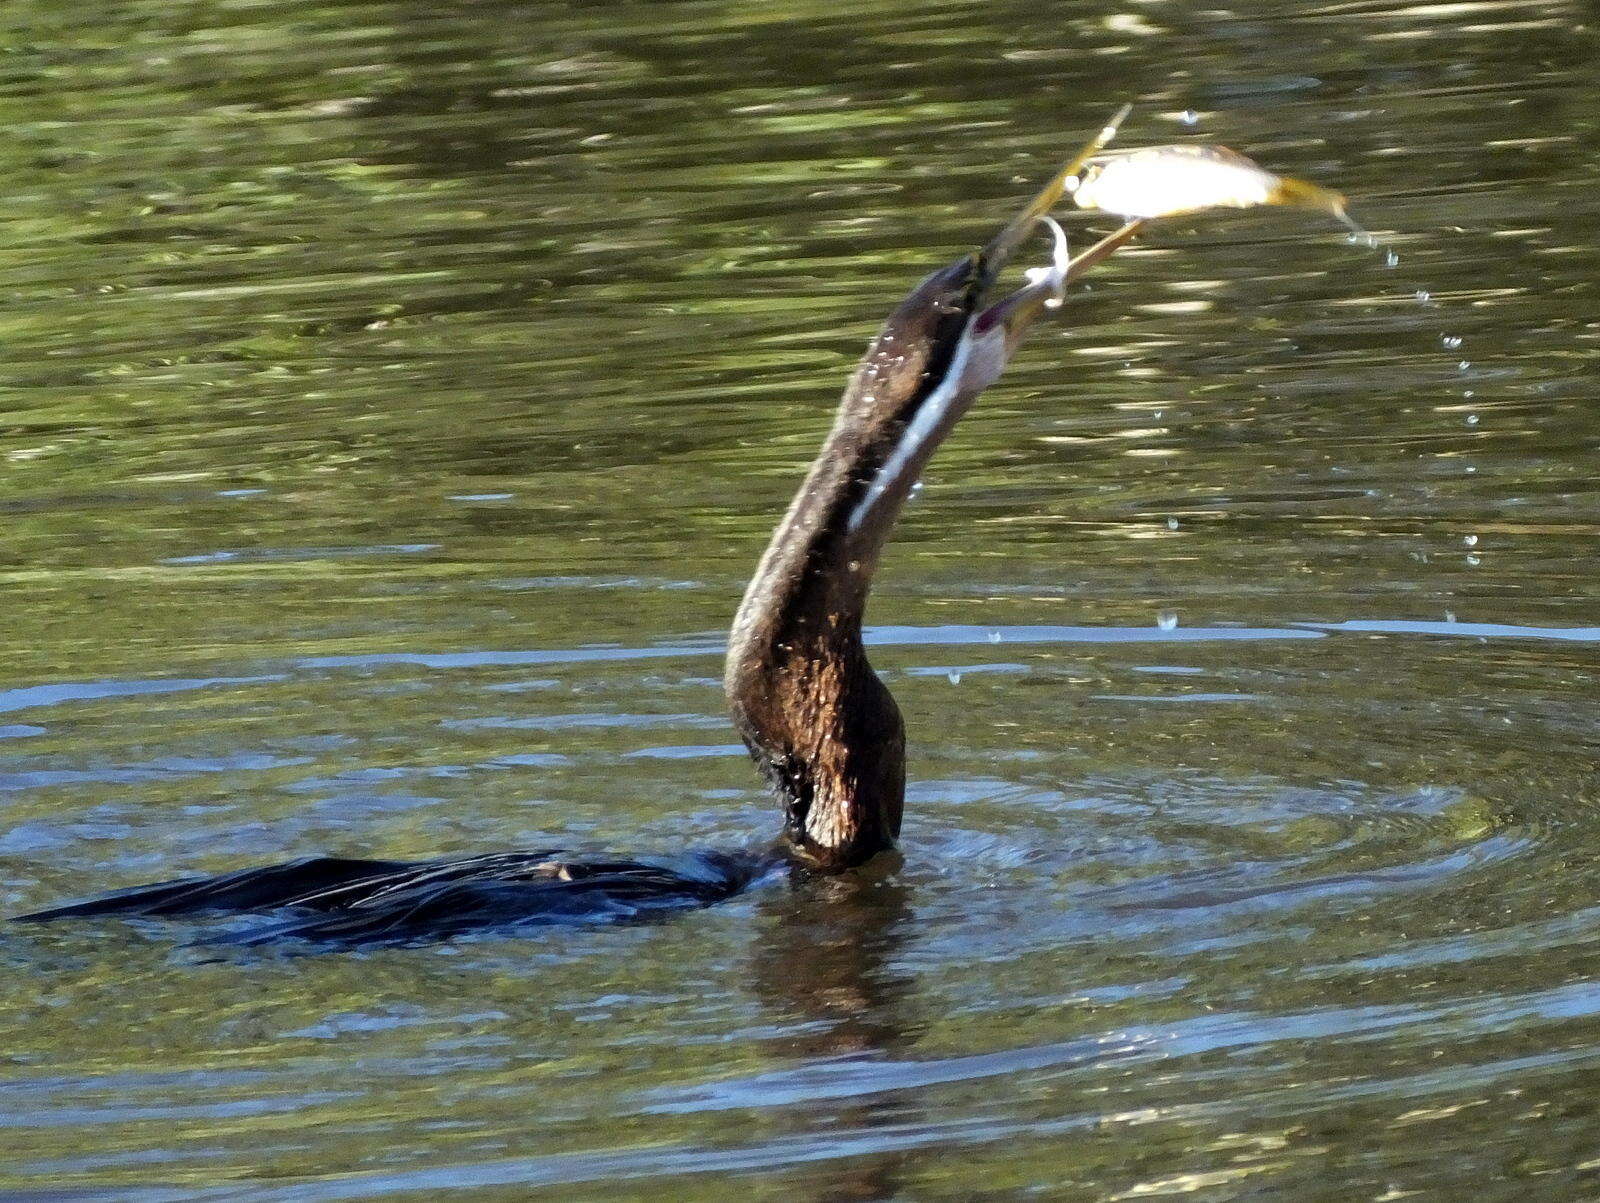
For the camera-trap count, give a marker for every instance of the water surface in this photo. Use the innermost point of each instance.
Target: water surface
(394, 399)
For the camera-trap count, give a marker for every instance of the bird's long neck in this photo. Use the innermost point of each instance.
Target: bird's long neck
(820, 725)
(818, 722)
(822, 728)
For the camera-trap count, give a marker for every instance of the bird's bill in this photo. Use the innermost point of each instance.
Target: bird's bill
(1047, 286)
(1102, 250)
(986, 343)
(994, 257)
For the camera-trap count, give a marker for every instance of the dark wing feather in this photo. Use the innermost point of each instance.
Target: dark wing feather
(367, 901)
(295, 883)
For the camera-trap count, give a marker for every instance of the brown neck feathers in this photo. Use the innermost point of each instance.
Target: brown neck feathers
(822, 728)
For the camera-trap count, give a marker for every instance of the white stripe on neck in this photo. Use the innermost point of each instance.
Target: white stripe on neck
(919, 432)
(964, 379)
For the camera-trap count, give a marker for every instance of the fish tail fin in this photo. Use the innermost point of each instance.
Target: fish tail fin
(1302, 194)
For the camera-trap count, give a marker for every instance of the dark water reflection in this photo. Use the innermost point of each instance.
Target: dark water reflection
(393, 398)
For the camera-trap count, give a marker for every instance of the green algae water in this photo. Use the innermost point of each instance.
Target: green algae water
(394, 399)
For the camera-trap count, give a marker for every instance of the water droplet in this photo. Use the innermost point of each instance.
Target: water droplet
(1390, 259)
(1189, 117)
(1449, 615)
(994, 636)
(953, 677)
(1464, 364)
(1451, 341)
(1471, 468)
(1423, 296)
(1172, 524)
(1467, 392)
(1474, 561)
(1167, 620)
(1472, 419)
(916, 491)
(1470, 540)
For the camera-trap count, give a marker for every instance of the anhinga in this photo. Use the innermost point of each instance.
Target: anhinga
(818, 722)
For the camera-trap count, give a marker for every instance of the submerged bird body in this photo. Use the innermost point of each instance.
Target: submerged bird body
(820, 725)
(341, 900)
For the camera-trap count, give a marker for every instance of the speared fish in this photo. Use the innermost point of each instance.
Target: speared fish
(1165, 181)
